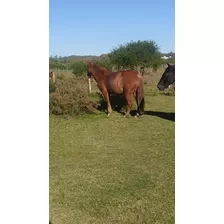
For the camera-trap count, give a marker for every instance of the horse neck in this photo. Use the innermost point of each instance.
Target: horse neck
(98, 73)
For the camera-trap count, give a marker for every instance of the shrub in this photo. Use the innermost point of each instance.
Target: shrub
(140, 53)
(79, 68)
(70, 97)
(57, 65)
(105, 63)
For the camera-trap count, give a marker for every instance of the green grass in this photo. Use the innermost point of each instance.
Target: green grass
(114, 169)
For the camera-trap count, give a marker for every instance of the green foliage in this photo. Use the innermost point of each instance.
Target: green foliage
(105, 63)
(57, 66)
(140, 53)
(129, 55)
(79, 68)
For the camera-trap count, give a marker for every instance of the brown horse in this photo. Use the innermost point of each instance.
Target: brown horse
(52, 76)
(125, 82)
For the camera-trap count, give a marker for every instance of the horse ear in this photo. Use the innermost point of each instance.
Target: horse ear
(168, 64)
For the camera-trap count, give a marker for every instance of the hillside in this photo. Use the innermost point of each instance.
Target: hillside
(91, 57)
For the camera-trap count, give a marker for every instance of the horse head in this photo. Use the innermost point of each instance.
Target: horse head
(167, 78)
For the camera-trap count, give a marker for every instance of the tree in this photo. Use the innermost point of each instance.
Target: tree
(140, 53)
(105, 63)
(79, 68)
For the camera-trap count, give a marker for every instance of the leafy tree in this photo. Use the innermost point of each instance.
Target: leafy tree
(140, 53)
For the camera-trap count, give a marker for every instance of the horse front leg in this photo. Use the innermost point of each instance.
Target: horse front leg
(106, 96)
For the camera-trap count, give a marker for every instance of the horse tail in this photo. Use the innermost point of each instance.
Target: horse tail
(140, 97)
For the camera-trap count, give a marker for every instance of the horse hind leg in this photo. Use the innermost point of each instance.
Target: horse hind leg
(128, 97)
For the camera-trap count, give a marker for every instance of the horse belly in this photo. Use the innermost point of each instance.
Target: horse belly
(115, 84)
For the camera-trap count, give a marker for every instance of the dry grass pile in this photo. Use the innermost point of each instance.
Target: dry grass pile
(69, 96)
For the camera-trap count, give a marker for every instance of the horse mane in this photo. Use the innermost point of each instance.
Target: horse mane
(99, 68)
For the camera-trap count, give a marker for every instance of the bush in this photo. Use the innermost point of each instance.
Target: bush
(140, 53)
(70, 97)
(105, 63)
(57, 65)
(79, 68)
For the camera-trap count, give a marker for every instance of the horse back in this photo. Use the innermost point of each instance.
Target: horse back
(131, 78)
(118, 81)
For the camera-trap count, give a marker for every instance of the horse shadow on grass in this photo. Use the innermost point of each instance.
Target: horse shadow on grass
(119, 103)
(165, 115)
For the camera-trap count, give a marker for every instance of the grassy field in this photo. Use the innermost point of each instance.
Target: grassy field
(114, 169)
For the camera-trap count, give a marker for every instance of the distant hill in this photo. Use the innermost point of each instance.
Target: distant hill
(76, 58)
(92, 57)
(66, 62)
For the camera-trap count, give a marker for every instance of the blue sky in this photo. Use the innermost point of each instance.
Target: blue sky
(94, 27)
